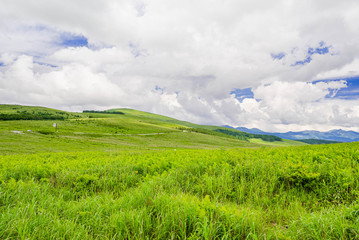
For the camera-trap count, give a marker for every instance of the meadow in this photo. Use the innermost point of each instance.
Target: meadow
(104, 177)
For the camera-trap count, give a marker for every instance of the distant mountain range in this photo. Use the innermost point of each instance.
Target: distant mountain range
(333, 135)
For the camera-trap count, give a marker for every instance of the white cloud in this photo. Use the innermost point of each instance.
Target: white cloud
(196, 52)
(283, 106)
(348, 69)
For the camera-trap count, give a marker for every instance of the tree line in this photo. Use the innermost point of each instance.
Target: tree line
(245, 136)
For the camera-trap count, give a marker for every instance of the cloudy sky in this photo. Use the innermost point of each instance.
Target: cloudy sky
(277, 65)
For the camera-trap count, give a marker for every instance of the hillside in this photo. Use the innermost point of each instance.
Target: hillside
(18, 112)
(213, 130)
(128, 174)
(106, 131)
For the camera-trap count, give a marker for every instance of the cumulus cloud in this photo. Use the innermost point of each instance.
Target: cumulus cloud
(293, 106)
(184, 58)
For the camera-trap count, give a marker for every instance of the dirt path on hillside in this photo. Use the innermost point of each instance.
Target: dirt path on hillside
(119, 134)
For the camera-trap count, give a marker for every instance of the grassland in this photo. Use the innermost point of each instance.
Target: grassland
(283, 143)
(106, 132)
(142, 176)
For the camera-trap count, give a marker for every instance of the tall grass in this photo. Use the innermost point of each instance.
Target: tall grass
(284, 193)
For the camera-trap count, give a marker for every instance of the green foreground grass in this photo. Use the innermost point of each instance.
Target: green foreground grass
(138, 175)
(307, 192)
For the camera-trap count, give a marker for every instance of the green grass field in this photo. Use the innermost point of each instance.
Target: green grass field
(284, 143)
(143, 176)
(107, 132)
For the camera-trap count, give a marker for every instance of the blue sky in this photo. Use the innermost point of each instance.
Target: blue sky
(71, 40)
(243, 93)
(351, 92)
(242, 63)
(321, 50)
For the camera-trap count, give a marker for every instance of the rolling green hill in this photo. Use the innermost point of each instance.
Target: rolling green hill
(127, 174)
(131, 129)
(18, 112)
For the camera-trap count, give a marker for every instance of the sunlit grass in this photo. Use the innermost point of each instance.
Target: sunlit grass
(307, 192)
(143, 176)
(283, 143)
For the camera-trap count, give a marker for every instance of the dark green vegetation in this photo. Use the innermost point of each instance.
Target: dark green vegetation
(16, 112)
(246, 136)
(317, 141)
(143, 176)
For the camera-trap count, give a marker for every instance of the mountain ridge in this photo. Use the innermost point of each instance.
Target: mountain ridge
(338, 135)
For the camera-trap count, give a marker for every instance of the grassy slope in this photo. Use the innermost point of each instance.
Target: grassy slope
(34, 110)
(8, 108)
(105, 132)
(283, 143)
(156, 117)
(163, 186)
(208, 127)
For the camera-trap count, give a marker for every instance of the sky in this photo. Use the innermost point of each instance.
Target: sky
(276, 65)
